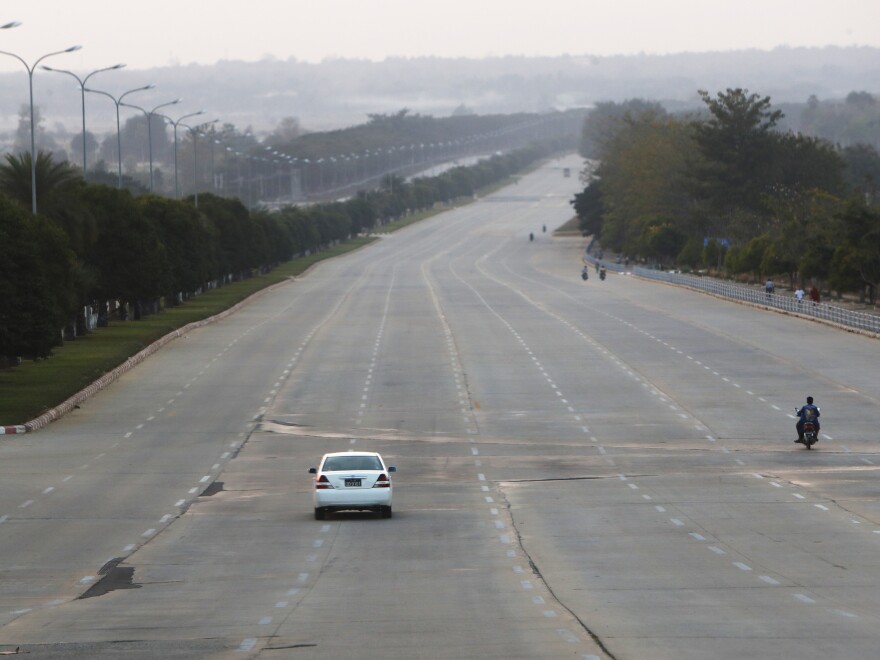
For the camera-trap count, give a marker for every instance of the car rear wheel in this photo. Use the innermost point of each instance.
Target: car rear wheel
(320, 514)
(385, 512)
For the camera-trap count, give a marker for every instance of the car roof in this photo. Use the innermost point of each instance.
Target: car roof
(351, 453)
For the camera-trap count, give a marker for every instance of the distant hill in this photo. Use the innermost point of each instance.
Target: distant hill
(338, 93)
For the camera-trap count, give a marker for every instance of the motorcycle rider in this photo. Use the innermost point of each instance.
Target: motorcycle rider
(585, 273)
(602, 273)
(808, 412)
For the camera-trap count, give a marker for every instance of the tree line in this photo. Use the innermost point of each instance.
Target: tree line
(725, 190)
(98, 247)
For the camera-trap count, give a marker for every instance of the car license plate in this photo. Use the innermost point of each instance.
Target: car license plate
(352, 483)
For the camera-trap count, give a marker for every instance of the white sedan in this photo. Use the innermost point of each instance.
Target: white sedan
(352, 481)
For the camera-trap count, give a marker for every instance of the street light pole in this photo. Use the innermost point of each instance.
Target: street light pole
(149, 115)
(195, 132)
(174, 124)
(116, 102)
(30, 70)
(82, 85)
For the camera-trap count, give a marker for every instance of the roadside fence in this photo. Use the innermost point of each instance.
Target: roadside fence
(859, 320)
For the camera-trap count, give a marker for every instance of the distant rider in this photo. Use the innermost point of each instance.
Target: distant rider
(808, 413)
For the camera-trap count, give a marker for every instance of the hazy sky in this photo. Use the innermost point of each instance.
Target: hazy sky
(162, 32)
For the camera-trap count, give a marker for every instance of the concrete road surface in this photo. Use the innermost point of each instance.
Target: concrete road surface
(585, 470)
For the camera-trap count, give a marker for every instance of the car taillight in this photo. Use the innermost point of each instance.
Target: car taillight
(323, 483)
(382, 482)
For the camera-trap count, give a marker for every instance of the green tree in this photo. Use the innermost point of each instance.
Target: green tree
(589, 209)
(35, 283)
(736, 144)
(855, 265)
(642, 177)
(51, 177)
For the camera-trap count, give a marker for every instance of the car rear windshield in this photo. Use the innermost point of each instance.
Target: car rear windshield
(338, 463)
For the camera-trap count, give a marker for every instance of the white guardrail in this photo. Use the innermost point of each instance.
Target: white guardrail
(858, 320)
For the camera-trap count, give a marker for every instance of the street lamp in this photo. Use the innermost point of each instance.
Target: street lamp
(149, 115)
(30, 70)
(195, 131)
(82, 86)
(116, 102)
(174, 124)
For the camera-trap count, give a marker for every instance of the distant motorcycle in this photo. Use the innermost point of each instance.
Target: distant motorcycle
(585, 274)
(602, 274)
(531, 237)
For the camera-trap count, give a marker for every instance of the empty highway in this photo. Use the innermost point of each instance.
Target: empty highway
(585, 470)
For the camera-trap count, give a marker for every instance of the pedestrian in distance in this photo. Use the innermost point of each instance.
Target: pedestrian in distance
(769, 287)
(814, 294)
(799, 294)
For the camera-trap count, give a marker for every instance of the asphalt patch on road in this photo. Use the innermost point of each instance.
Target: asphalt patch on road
(213, 489)
(114, 577)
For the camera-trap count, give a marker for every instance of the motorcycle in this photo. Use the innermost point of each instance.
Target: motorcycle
(602, 274)
(810, 435)
(531, 237)
(585, 275)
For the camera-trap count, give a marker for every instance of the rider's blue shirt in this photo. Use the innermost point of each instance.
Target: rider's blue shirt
(802, 413)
